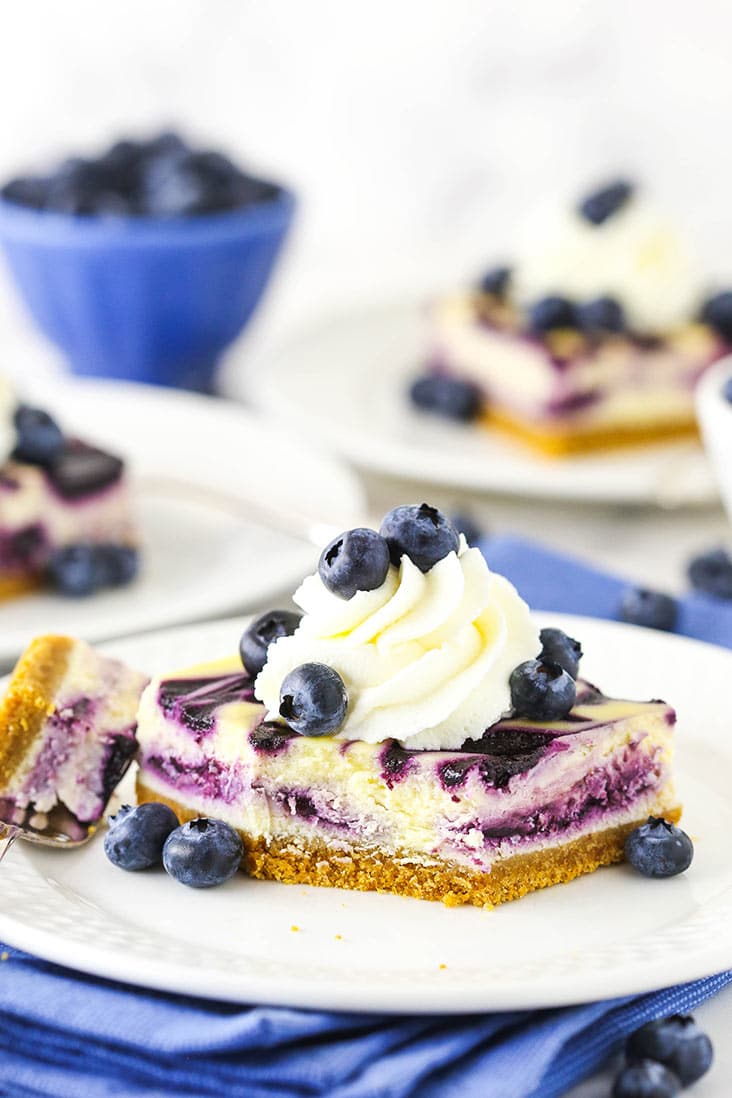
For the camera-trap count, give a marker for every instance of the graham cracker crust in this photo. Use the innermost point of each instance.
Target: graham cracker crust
(29, 698)
(369, 870)
(557, 444)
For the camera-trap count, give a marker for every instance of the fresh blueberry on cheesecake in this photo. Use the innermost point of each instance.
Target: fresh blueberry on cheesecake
(420, 737)
(446, 396)
(601, 315)
(355, 561)
(495, 281)
(559, 648)
(40, 439)
(263, 632)
(605, 202)
(550, 313)
(717, 312)
(542, 690)
(421, 533)
(313, 700)
(659, 849)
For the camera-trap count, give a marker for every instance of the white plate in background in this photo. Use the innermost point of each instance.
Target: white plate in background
(344, 383)
(608, 934)
(201, 467)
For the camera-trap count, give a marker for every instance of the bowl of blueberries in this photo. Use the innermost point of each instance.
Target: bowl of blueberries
(146, 261)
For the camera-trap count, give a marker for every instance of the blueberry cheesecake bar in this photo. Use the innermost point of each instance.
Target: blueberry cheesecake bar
(66, 515)
(67, 735)
(411, 732)
(595, 337)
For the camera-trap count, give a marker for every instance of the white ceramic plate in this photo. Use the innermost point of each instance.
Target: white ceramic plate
(201, 466)
(611, 933)
(344, 383)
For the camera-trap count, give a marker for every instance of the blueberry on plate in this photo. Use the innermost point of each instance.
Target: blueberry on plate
(541, 690)
(677, 1042)
(652, 609)
(717, 313)
(313, 700)
(357, 560)
(203, 853)
(559, 648)
(606, 201)
(711, 573)
(646, 1079)
(659, 848)
(421, 533)
(262, 632)
(603, 314)
(39, 438)
(446, 396)
(549, 313)
(118, 564)
(136, 835)
(495, 281)
(76, 571)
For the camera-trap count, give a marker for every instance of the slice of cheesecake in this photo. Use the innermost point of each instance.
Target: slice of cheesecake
(528, 804)
(67, 735)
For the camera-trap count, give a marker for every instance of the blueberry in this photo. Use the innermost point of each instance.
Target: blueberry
(603, 203)
(727, 390)
(559, 648)
(654, 610)
(542, 690)
(136, 835)
(313, 700)
(263, 631)
(39, 438)
(466, 525)
(27, 191)
(75, 570)
(421, 533)
(717, 313)
(446, 396)
(677, 1043)
(549, 313)
(495, 281)
(355, 561)
(646, 1079)
(603, 314)
(659, 848)
(118, 564)
(711, 573)
(203, 853)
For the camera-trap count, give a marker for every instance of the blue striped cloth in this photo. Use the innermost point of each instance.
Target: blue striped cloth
(66, 1035)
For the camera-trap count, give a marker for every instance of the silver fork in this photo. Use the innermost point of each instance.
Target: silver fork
(47, 837)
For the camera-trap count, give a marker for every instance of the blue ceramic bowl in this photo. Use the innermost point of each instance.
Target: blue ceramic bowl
(144, 298)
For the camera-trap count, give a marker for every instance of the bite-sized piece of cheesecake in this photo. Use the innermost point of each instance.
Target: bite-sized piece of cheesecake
(66, 515)
(413, 732)
(67, 735)
(596, 336)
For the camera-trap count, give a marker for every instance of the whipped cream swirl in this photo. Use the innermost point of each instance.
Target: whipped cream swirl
(426, 657)
(635, 256)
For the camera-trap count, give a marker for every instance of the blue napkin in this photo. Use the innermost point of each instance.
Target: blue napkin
(66, 1035)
